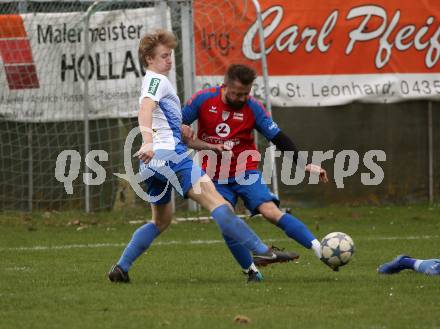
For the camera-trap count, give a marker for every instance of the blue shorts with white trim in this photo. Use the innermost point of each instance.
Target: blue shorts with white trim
(250, 187)
(169, 170)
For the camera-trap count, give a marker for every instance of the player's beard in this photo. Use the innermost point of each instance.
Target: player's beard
(237, 105)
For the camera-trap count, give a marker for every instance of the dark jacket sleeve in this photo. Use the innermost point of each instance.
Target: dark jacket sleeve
(284, 143)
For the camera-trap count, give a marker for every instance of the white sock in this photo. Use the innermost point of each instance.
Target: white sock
(253, 268)
(316, 246)
(417, 264)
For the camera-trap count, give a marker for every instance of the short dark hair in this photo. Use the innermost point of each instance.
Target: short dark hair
(242, 73)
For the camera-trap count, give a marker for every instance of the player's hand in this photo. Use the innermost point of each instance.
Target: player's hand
(315, 169)
(145, 153)
(187, 133)
(220, 148)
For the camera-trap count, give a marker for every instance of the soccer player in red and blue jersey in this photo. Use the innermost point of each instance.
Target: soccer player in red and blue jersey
(227, 116)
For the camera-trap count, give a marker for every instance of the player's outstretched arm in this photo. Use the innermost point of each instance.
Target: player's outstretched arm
(187, 133)
(198, 144)
(284, 143)
(315, 169)
(189, 137)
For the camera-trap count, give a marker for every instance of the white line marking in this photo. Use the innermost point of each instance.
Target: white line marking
(192, 242)
(121, 244)
(421, 237)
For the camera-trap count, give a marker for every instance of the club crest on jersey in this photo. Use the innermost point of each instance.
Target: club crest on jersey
(225, 115)
(154, 84)
(238, 116)
(213, 109)
(223, 130)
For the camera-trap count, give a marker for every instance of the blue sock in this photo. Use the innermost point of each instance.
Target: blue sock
(429, 266)
(296, 230)
(236, 229)
(140, 242)
(407, 262)
(240, 253)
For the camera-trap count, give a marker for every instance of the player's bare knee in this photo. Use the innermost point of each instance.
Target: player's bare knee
(202, 186)
(270, 211)
(162, 224)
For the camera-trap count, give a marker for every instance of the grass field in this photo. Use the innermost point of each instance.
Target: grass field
(53, 266)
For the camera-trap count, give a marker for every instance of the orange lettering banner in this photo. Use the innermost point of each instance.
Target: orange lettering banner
(390, 49)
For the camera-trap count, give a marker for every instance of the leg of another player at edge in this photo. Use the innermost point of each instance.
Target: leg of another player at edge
(204, 193)
(426, 266)
(403, 262)
(144, 235)
(292, 226)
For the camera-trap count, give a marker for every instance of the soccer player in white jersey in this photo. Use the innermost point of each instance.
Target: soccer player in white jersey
(165, 163)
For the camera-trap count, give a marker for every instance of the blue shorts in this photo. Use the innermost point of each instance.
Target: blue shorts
(250, 187)
(168, 169)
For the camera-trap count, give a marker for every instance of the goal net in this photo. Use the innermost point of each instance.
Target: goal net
(70, 80)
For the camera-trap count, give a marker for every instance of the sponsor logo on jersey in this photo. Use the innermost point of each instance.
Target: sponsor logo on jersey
(213, 109)
(157, 163)
(225, 115)
(273, 126)
(217, 140)
(154, 84)
(223, 130)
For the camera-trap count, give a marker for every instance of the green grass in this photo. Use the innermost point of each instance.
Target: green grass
(187, 285)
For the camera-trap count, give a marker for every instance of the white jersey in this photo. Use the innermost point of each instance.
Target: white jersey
(167, 116)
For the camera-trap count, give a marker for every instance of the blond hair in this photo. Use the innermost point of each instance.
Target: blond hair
(150, 41)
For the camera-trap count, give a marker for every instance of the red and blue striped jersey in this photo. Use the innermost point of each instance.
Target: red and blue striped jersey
(219, 123)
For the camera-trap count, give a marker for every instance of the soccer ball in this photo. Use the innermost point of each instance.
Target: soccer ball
(337, 249)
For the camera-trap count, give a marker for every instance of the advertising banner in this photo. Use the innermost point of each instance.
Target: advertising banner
(43, 64)
(324, 52)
